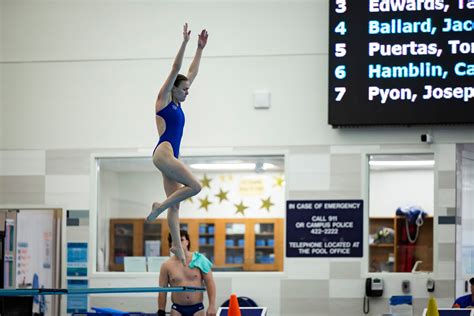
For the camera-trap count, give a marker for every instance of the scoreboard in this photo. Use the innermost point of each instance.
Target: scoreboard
(401, 62)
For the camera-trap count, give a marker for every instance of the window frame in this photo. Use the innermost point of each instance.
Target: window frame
(365, 265)
(106, 277)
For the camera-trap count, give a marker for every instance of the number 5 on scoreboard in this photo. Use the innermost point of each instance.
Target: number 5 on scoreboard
(340, 50)
(340, 93)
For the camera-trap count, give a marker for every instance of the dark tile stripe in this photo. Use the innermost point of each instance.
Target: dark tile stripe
(446, 220)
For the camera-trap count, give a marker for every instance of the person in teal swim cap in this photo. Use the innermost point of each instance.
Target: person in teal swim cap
(197, 272)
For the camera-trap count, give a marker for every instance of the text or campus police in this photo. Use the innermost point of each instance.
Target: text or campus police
(324, 228)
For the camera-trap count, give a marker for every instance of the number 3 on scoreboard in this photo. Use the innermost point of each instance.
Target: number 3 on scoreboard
(340, 93)
(341, 6)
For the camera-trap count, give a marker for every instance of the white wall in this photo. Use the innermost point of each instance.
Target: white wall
(1, 74)
(390, 189)
(98, 74)
(1, 93)
(84, 75)
(93, 68)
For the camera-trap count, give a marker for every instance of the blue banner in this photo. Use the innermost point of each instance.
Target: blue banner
(77, 303)
(324, 228)
(77, 259)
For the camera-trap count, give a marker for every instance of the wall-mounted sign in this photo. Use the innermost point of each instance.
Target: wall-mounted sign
(324, 228)
(77, 303)
(252, 186)
(77, 259)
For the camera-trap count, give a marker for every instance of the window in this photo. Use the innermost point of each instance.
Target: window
(465, 187)
(236, 220)
(401, 202)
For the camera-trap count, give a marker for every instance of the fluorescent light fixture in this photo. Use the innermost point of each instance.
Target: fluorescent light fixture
(402, 163)
(231, 166)
(223, 166)
(269, 166)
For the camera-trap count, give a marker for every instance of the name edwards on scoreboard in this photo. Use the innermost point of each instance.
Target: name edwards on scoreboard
(415, 5)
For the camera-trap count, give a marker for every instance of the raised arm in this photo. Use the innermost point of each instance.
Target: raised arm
(194, 68)
(163, 282)
(163, 95)
(211, 293)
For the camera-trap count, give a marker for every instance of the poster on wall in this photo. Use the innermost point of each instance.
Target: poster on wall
(23, 269)
(77, 259)
(36, 248)
(324, 228)
(9, 257)
(77, 303)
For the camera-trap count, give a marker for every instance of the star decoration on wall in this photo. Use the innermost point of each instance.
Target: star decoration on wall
(205, 203)
(222, 195)
(279, 181)
(266, 204)
(189, 200)
(240, 208)
(205, 182)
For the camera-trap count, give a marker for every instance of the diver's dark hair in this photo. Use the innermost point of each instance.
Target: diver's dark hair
(181, 233)
(178, 79)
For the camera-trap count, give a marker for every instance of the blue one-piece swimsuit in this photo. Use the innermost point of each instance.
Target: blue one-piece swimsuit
(173, 116)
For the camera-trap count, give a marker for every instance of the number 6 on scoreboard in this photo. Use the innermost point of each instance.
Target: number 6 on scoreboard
(340, 93)
(340, 72)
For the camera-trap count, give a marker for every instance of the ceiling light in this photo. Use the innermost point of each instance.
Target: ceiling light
(223, 166)
(269, 166)
(402, 163)
(233, 166)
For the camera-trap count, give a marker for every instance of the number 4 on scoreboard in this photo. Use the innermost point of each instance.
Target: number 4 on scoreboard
(341, 28)
(340, 93)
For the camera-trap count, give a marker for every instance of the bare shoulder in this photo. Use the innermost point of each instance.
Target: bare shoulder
(162, 102)
(165, 266)
(171, 263)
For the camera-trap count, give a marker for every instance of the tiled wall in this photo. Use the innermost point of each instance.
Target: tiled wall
(464, 226)
(335, 287)
(308, 286)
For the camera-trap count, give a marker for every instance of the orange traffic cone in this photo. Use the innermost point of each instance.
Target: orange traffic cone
(234, 308)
